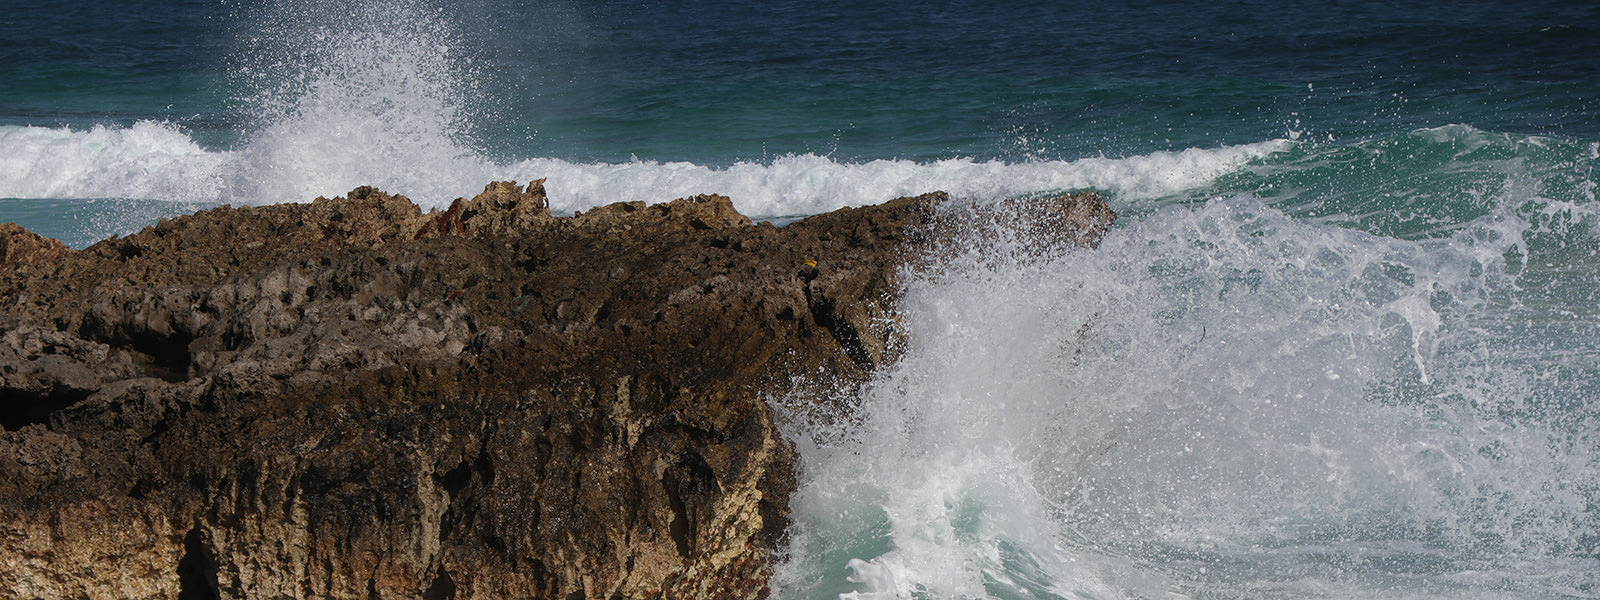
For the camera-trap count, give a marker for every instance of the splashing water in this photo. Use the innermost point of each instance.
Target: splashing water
(337, 95)
(360, 93)
(1308, 368)
(1221, 401)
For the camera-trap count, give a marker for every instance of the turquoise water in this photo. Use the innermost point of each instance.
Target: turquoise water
(1342, 344)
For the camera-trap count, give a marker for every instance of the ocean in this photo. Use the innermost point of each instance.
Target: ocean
(1344, 341)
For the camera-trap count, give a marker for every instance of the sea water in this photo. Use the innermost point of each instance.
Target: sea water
(1344, 341)
(1246, 396)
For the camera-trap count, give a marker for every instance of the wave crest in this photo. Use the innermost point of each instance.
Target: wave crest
(295, 162)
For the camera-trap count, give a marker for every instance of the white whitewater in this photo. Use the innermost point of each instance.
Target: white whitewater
(1221, 401)
(341, 95)
(326, 149)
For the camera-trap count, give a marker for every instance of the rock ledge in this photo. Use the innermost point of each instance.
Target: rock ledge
(355, 399)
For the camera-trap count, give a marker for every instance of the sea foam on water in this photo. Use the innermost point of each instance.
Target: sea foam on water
(1221, 399)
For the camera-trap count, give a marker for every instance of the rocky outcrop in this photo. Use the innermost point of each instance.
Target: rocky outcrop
(355, 399)
(19, 246)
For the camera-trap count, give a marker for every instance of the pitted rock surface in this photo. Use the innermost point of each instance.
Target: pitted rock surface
(355, 399)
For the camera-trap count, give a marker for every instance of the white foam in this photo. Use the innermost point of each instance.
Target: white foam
(147, 160)
(809, 184)
(341, 95)
(876, 576)
(1218, 388)
(331, 143)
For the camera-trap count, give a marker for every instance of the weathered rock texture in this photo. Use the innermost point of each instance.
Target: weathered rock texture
(354, 399)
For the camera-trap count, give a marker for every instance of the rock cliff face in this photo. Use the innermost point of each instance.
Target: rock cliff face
(353, 399)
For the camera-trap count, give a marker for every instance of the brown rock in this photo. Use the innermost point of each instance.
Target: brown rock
(353, 399)
(20, 247)
(43, 370)
(504, 208)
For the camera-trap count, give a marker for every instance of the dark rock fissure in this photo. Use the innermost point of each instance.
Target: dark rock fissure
(197, 570)
(484, 465)
(163, 357)
(679, 528)
(442, 588)
(159, 355)
(20, 409)
(456, 479)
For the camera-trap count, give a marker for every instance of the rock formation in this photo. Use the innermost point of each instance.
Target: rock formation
(354, 399)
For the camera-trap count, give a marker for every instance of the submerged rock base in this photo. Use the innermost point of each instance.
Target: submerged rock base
(353, 399)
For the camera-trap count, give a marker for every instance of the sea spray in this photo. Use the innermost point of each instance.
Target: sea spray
(1409, 279)
(355, 93)
(334, 96)
(1223, 400)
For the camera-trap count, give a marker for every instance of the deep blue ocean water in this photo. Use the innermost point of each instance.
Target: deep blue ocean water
(1344, 343)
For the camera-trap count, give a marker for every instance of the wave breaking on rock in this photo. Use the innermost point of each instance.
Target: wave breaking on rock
(354, 398)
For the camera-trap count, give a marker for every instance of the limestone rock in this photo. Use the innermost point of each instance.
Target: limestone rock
(504, 208)
(354, 399)
(43, 370)
(20, 247)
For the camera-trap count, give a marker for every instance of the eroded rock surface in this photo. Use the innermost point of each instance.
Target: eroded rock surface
(354, 399)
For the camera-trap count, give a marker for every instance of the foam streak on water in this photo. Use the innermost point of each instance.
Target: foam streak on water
(327, 146)
(1222, 401)
(382, 93)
